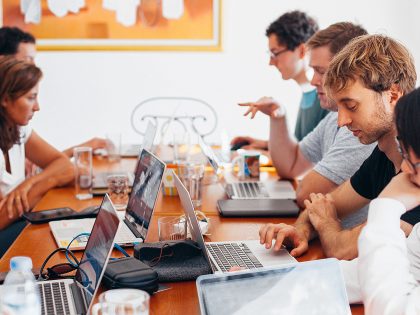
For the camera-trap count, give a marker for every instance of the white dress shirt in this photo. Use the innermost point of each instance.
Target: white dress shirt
(384, 275)
(8, 181)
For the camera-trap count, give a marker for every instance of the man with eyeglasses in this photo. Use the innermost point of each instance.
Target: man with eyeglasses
(287, 52)
(386, 275)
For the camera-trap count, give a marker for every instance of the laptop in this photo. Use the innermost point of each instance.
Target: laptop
(249, 189)
(221, 256)
(132, 150)
(75, 296)
(312, 287)
(100, 178)
(147, 183)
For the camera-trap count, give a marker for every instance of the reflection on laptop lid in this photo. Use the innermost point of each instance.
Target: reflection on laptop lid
(132, 150)
(313, 287)
(146, 186)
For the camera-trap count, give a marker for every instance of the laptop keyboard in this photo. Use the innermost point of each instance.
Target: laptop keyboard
(249, 190)
(228, 255)
(53, 298)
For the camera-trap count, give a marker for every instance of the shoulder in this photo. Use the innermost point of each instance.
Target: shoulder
(25, 133)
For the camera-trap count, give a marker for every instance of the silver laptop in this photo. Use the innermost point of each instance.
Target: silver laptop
(76, 296)
(147, 183)
(249, 189)
(312, 287)
(132, 150)
(221, 256)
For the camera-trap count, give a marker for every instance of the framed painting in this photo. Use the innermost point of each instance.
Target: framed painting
(118, 24)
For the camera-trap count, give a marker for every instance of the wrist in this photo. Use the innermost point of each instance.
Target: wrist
(279, 112)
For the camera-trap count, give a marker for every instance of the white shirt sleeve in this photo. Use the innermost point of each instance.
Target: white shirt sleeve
(386, 283)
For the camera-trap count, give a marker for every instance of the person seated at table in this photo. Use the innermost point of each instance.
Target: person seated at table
(366, 79)
(286, 40)
(386, 275)
(18, 103)
(22, 45)
(323, 154)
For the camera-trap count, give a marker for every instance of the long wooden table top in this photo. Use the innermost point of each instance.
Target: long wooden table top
(36, 241)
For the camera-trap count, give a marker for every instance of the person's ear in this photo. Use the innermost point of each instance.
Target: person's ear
(395, 93)
(301, 50)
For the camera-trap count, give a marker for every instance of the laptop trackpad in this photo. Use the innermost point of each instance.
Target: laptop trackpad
(269, 257)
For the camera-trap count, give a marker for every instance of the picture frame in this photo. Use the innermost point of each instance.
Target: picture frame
(197, 27)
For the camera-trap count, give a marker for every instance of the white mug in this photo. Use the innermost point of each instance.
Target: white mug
(122, 302)
(248, 163)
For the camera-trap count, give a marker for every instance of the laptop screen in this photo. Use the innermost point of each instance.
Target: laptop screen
(147, 181)
(97, 249)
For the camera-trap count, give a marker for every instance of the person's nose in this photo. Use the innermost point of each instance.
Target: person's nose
(36, 108)
(316, 80)
(343, 119)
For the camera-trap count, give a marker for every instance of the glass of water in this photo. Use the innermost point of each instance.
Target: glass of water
(191, 175)
(118, 189)
(83, 172)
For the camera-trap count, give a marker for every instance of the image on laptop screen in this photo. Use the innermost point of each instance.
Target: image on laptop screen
(144, 192)
(97, 249)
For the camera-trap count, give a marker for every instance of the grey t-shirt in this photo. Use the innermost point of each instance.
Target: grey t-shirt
(337, 153)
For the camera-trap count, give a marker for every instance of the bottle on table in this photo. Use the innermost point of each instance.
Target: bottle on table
(19, 294)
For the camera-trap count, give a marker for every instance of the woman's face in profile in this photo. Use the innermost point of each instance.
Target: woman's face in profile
(21, 110)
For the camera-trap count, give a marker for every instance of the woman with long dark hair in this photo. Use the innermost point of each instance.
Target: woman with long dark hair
(19, 83)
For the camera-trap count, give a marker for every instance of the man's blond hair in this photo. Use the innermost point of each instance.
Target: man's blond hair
(378, 61)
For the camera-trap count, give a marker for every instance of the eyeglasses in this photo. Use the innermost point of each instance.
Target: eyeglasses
(274, 55)
(413, 166)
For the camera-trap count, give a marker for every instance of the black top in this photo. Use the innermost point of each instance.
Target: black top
(372, 177)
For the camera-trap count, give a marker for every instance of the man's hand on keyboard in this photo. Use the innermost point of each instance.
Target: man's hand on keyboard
(284, 234)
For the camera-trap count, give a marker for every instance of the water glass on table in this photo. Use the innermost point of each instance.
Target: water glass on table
(172, 228)
(118, 189)
(191, 174)
(83, 172)
(123, 302)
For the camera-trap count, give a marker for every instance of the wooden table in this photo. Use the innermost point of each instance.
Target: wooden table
(37, 242)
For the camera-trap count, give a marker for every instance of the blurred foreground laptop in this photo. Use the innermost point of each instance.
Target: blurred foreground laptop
(221, 256)
(250, 189)
(75, 296)
(132, 150)
(147, 183)
(312, 287)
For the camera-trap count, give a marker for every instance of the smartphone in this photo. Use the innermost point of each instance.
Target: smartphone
(49, 215)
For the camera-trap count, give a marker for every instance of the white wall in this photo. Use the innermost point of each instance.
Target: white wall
(85, 94)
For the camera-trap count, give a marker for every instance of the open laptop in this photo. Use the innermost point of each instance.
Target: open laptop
(100, 178)
(221, 256)
(75, 296)
(249, 189)
(312, 287)
(147, 183)
(132, 150)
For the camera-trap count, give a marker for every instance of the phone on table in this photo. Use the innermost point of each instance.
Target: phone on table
(63, 213)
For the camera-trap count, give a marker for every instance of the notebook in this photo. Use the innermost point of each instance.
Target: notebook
(147, 183)
(313, 287)
(75, 296)
(221, 256)
(249, 189)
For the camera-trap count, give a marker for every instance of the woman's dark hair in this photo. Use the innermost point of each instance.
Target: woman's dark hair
(292, 29)
(11, 37)
(16, 79)
(407, 120)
